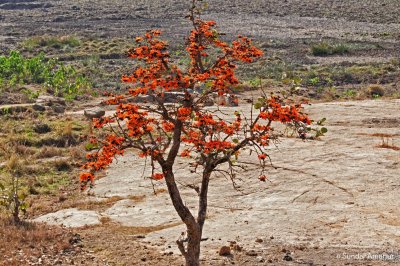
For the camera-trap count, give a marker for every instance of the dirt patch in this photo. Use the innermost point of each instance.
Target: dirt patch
(386, 122)
(23, 6)
(33, 243)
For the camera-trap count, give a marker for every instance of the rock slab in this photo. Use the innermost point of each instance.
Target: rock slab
(71, 218)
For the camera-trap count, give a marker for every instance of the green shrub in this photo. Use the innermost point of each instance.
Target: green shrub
(376, 91)
(59, 79)
(325, 49)
(321, 49)
(341, 49)
(55, 42)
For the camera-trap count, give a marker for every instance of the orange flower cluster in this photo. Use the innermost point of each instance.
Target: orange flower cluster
(284, 114)
(185, 153)
(262, 156)
(168, 126)
(209, 135)
(158, 176)
(184, 113)
(221, 72)
(158, 74)
(262, 178)
(86, 178)
(99, 160)
(152, 153)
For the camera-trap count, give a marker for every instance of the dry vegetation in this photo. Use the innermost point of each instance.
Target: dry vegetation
(27, 243)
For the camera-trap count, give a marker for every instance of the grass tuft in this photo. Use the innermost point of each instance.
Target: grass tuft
(325, 49)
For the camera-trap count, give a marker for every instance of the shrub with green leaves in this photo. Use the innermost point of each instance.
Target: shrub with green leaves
(59, 79)
(325, 49)
(56, 42)
(11, 196)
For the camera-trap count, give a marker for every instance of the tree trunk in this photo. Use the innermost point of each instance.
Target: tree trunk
(192, 252)
(192, 256)
(16, 209)
(194, 227)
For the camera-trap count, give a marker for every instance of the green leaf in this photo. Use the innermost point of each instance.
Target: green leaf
(21, 197)
(235, 141)
(257, 105)
(297, 80)
(23, 207)
(324, 130)
(320, 122)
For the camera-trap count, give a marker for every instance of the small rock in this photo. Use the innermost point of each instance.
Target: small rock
(75, 239)
(41, 128)
(260, 259)
(233, 100)
(173, 97)
(96, 112)
(287, 257)
(259, 240)
(39, 107)
(208, 102)
(236, 247)
(140, 99)
(62, 198)
(225, 251)
(312, 94)
(49, 100)
(58, 108)
(252, 253)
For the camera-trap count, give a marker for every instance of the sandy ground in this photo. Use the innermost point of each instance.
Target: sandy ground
(331, 196)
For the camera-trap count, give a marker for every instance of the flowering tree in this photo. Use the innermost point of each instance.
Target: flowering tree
(187, 128)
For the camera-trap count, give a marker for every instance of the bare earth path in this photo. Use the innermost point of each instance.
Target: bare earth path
(329, 196)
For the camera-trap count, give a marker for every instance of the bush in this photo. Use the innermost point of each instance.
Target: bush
(59, 79)
(325, 49)
(55, 42)
(376, 91)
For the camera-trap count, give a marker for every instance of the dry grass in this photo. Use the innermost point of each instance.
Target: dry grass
(77, 153)
(83, 203)
(380, 135)
(119, 245)
(137, 198)
(376, 90)
(48, 152)
(383, 135)
(388, 146)
(20, 244)
(62, 165)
